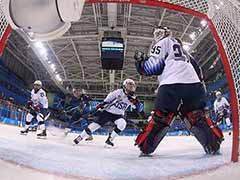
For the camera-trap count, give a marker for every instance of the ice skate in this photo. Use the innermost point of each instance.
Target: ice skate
(108, 143)
(24, 132)
(90, 138)
(34, 129)
(43, 134)
(142, 154)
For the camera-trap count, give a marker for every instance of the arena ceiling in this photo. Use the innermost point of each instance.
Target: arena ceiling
(74, 59)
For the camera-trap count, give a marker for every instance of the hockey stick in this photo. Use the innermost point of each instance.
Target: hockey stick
(45, 118)
(92, 114)
(74, 108)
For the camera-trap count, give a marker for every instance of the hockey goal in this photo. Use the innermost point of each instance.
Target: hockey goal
(223, 17)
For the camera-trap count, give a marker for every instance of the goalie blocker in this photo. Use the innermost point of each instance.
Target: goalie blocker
(186, 100)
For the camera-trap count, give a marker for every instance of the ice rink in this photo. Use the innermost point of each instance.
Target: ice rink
(25, 157)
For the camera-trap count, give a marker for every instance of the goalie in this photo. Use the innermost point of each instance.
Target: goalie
(180, 92)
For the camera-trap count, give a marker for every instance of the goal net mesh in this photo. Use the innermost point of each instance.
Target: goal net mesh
(4, 30)
(225, 16)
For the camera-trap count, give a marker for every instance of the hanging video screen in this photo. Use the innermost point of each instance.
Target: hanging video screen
(112, 53)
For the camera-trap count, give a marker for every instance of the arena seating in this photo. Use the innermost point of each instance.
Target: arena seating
(11, 86)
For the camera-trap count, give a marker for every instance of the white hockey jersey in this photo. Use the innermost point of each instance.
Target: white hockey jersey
(177, 68)
(39, 98)
(221, 106)
(118, 102)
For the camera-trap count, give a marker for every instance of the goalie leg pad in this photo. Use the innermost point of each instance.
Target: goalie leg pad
(205, 131)
(154, 132)
(217, 136)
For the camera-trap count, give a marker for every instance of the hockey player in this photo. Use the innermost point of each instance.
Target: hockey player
(79, 108)
(38, 105)
(180, 93)
(222, 109)
(114, 107)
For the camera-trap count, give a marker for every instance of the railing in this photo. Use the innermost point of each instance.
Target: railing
(11, 113)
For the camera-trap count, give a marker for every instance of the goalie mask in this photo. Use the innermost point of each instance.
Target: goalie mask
(129, 86)
(161, 32)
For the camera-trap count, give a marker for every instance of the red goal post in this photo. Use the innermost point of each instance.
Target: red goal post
(5, 31)
(223, 17)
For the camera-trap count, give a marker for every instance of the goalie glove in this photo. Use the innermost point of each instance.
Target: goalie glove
(139, 56)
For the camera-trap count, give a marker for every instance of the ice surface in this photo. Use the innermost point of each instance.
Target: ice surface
(175, 156)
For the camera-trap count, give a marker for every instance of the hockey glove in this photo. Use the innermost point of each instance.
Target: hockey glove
(101, 105)
(133, 100)
(37, 108)
(29, 103)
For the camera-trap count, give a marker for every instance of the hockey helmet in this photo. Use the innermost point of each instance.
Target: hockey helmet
(218, 95)
(38, 83)
(161, 32)
(129, 86)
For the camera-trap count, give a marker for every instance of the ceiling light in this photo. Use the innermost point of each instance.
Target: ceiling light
(39, 44)
(192, 35)
(52, 66)
(58, 77)
(203, 23)
(43, 52)
(186, 47)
